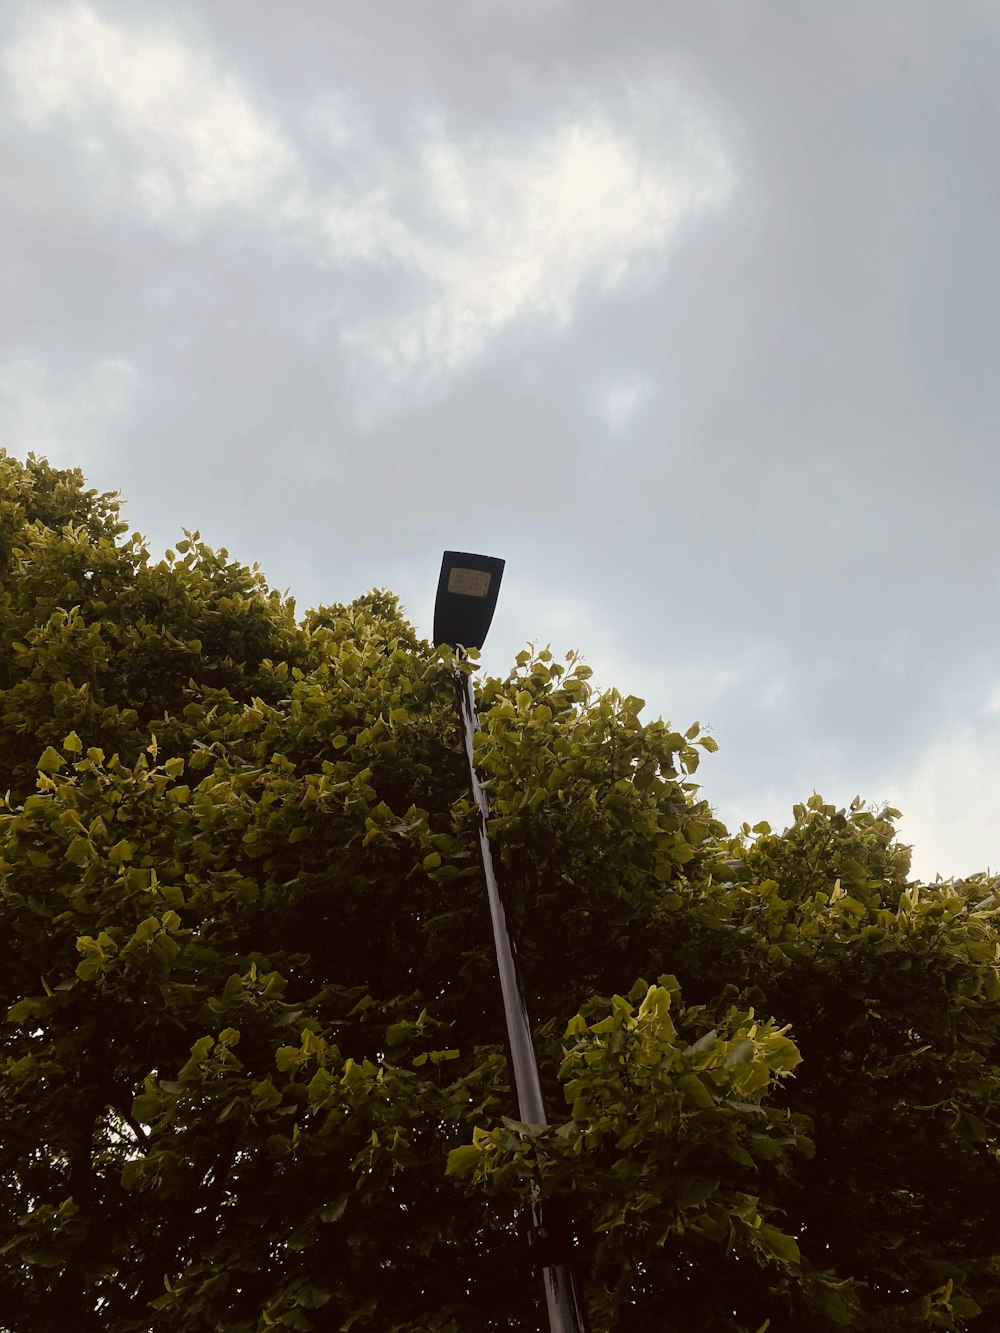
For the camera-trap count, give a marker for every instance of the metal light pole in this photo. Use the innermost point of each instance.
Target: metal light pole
(466, 599)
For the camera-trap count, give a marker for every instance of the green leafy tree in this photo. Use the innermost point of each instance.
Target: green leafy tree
(253, 1073)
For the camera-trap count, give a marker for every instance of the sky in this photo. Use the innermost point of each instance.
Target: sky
(687, 310)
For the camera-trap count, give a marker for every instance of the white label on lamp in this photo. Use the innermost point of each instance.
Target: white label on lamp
(469, 582)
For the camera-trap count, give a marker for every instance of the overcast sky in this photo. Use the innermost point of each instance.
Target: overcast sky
(689, 311)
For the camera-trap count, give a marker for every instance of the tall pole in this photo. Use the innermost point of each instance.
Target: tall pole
(565, 1311)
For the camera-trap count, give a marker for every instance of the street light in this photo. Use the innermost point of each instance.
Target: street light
(466, 599)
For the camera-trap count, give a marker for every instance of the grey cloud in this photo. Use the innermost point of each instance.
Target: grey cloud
(806, 483)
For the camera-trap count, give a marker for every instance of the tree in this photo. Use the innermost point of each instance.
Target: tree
(253, 1072)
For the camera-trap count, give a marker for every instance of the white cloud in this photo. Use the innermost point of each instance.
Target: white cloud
(481, 232)
(620, 401)
(687, 689)
(951, 800)
(69, 420)
(520, 229)
(150, 116)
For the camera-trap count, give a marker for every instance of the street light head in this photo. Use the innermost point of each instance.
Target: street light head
(466, 598)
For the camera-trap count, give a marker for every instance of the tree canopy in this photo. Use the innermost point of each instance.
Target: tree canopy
(253, 1063)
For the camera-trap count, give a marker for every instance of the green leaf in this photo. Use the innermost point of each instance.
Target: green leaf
(333, 1212)
(81, 852)
(764, 1149)
(266, 1096)
(146, 1108)
(704, 1044)
(695, 1091)
(120, 852)
(743, 1050)
(463, 1160)
(337, 727)
(965, 1307)
(51, 760)
(22, 1011)
(692, 1192)
(131, 1174)
(776, 1243)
